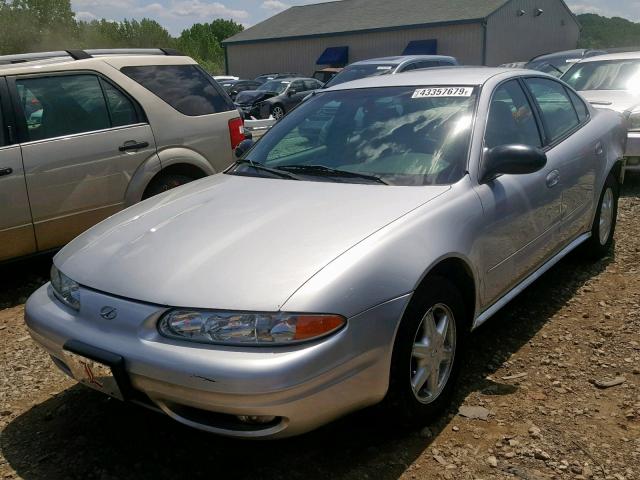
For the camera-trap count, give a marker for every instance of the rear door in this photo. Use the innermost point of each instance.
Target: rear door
(16, 229)
(82, 140)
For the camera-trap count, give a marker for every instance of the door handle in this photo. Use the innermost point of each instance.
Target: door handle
(553, 178)
(599, 148)
(5, 171)
(133, 145)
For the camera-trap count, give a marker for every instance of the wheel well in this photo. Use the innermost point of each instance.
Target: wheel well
(457, 272)
(177, 169)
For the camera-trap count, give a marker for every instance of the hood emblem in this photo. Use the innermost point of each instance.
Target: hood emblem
(108, 313)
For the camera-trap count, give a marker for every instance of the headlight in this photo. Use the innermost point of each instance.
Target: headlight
(245, 328)
(634, 121)
(65, 289)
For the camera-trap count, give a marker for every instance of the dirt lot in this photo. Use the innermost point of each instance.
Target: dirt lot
(532, 367)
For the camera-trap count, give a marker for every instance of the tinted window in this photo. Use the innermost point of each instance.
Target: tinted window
(581, 108)
(605, 75)
(557, 110)
(121, 108)
(429, 64)
(411, 66)
(404, 135)
(311, 85)
(185, 87)
(298, 86)
(62, 105)
(511, 119)
(2, 128)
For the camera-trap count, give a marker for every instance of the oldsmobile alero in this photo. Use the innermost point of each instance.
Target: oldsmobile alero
(344, 259)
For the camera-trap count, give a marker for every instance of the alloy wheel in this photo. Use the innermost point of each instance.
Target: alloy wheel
(432, 354)
(277, 112)
(606, 216)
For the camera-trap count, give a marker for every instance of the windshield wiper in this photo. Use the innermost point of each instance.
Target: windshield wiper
(260, 167)
(329, 172)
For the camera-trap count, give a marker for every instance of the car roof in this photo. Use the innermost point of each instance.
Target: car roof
(613, 56)
(435, 76)
(64, 62)
(292, 79)
(397, 60)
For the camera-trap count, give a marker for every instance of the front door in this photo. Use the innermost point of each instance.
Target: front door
(522, 212)
(82, 141)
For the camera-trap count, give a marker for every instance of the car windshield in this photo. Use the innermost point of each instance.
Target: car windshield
(605, 75)
(277, 86)
(356, 72)
(393, 135)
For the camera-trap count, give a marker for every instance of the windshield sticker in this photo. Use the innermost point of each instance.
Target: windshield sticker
(384, 67)
(435, 92)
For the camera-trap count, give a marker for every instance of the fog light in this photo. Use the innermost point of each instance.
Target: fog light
(256, 419)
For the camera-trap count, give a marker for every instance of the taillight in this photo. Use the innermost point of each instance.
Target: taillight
(236, 132)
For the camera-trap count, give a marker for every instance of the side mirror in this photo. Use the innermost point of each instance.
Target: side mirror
(243, 147)
(291, 92)
(511, 160)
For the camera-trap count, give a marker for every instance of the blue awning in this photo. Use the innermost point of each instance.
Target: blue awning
(421, 47)
(337, 56)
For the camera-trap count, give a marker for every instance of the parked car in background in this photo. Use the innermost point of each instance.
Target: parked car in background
(513, 65)
(276, 97)
(559, 62)
(234, 87)
(222, 78)
(326, 74)
(318, 276)
(264, 77)
(613, 81)
(389, 65)
(84, 134)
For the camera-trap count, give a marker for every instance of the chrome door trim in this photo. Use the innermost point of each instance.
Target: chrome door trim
(489, 312)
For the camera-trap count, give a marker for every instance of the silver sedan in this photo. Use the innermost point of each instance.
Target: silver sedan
(341, 262)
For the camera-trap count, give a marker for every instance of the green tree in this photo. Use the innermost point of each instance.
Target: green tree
(603, 32)
(203, 42)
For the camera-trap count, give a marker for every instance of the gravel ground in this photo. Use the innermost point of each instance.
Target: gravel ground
(535, 374)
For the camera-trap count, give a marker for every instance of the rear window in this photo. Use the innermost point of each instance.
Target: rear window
(185, 87)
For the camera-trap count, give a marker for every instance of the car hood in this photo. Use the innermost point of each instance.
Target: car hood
(232, 242)
(618, 100)
(252, 96)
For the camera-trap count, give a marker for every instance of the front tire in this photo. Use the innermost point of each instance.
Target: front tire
(277, 111)
(604, 222)
(427, 353)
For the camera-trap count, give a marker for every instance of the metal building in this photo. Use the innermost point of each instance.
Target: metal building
(477, 32)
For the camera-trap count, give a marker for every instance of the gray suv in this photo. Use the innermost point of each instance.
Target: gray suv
(84, 134)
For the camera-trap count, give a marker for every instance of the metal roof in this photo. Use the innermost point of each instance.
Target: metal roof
(348, 16)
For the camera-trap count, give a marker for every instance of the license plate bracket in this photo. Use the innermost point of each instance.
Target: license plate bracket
(98, 369)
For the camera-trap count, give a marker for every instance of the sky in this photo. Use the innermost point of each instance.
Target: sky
(176, 15)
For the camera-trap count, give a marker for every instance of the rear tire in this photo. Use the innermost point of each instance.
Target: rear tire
(427, 356)
(164, 183)
(604, 222)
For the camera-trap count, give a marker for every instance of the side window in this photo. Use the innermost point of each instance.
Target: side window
(298, 86)
(411, 66)
(185, 87)
(121, 108)
(2, 129)
(428, 64)
(557, 110)
(310, 85)
(581, 108)
(62, 105)
(511, 119)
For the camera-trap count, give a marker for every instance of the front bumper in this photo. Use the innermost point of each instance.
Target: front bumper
(257, 111)
(304, 387)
